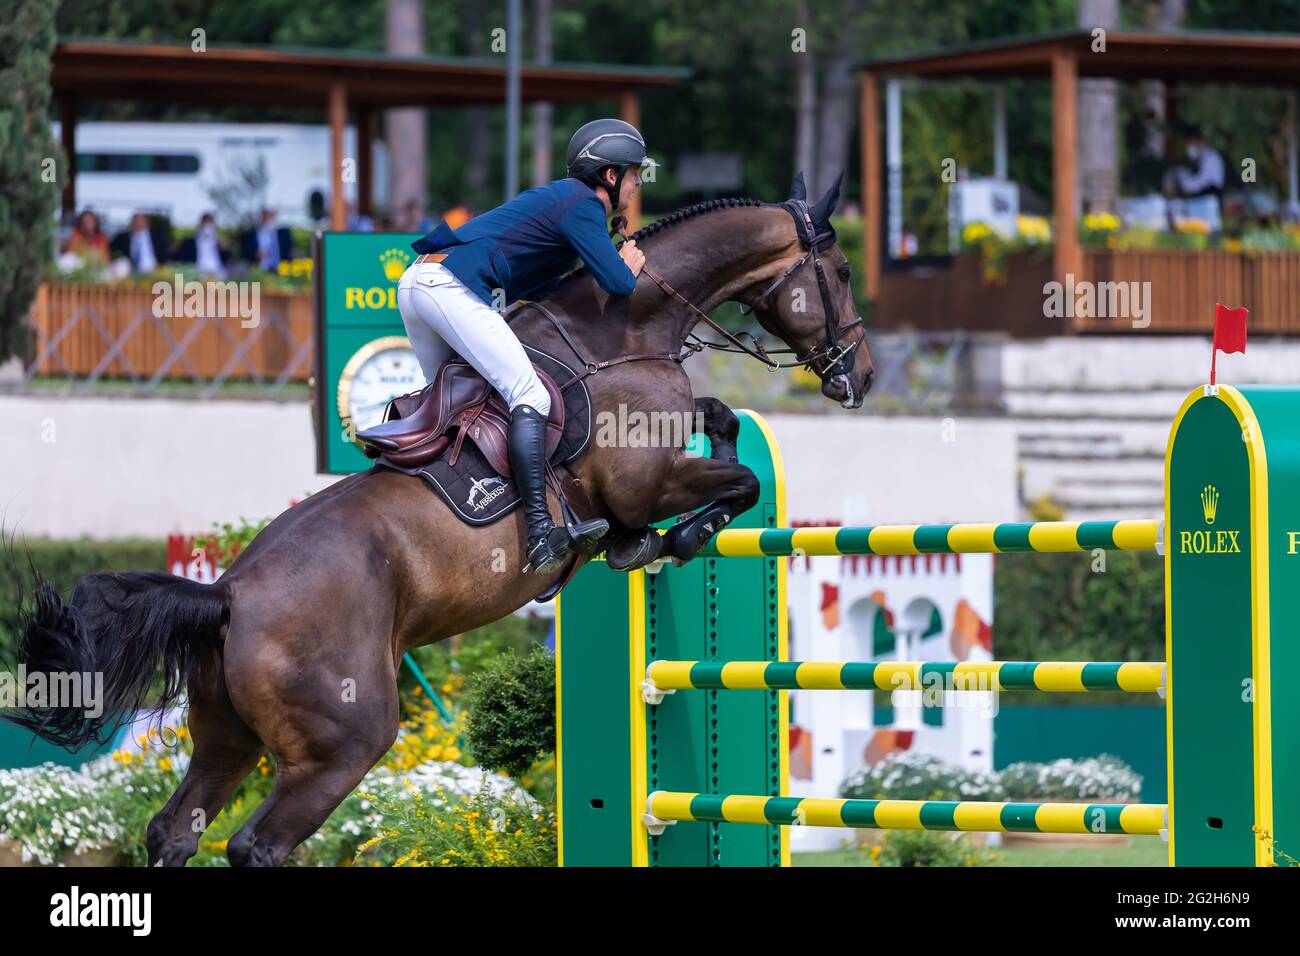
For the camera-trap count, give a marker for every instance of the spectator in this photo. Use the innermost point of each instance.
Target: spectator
(87, 240)
(413, 218)
(268, 245)
(359, 222)
(1201, 186)
(139, 245)
(205, 249)
(1206, 179)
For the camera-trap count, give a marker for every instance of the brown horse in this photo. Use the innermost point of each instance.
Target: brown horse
(295, 650)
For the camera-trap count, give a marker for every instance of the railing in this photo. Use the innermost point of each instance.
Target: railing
(88, 334)
(1184, 287)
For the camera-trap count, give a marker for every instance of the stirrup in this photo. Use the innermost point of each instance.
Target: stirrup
(549, 553)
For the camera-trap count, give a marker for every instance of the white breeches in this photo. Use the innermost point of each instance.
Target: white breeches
(443, 317)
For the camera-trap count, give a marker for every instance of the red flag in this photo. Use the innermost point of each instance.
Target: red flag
(1229, 333)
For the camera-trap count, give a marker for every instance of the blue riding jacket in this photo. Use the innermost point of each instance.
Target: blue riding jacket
(524, 244)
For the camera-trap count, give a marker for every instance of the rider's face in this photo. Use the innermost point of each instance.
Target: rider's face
(631, 183)
(626, 192)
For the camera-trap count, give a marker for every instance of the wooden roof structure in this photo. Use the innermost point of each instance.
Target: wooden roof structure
(338, 82)
(1271, 59)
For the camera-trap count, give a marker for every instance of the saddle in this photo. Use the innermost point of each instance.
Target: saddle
(458, 404)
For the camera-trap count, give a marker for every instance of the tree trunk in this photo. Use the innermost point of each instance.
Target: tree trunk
(835, 120)
(478, 140)
(1169, 17)
(404, 36)
(805, 107)
(1098, 133)
(542, 112)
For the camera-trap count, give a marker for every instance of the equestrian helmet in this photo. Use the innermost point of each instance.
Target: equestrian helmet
(601, 143)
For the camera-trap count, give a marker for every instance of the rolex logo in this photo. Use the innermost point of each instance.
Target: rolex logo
(394, 263)
(1209, 502)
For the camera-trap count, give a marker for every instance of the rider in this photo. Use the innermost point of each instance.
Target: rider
(451, 299)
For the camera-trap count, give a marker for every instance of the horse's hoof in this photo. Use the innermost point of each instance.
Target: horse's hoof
(634, 550)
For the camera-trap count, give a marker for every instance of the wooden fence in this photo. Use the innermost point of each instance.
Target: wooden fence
(105, 331)
(1184, 286)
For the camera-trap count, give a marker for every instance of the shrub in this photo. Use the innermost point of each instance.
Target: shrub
(62, 563)
(1103, 778)
(1056, 607)
(422, 824)
(914, 776)
(49, 810)
(511, 708)
(928, 848)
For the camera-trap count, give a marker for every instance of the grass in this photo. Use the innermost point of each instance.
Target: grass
(1145, 851)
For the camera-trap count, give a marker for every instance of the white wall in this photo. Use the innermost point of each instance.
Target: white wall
(860, 469)
(115, 467)
(108, 467)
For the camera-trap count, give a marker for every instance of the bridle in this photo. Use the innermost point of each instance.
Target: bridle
(828, 359)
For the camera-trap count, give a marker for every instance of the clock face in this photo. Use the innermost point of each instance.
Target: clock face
(376, 374)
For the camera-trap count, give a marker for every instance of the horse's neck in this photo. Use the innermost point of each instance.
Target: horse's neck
(707, 261)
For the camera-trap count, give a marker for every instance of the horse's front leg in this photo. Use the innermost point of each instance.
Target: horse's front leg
(718, 486)
(719, 490)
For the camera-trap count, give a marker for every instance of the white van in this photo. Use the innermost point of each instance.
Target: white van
(180, 169)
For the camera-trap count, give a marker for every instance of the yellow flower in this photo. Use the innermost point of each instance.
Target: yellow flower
(1101, 221)
(165, 764)
(975, 231)
(1034, 227)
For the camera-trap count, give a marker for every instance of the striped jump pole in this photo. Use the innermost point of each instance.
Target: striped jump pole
(665, 808)
(1052, 676)
(905, 539)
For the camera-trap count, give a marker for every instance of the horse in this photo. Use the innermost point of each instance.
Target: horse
(295, 649)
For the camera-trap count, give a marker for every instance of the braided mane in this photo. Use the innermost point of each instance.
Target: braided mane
(691, 211)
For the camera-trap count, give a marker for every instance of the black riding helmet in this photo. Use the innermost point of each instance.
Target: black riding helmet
(602, 143)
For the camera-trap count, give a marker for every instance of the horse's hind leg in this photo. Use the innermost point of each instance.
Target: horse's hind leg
(323, 742)
(225, 751)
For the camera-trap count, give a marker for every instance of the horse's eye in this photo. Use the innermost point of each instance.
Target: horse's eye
(844, 272)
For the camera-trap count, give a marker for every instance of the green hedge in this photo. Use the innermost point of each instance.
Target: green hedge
(1056, 607)
(62, 562)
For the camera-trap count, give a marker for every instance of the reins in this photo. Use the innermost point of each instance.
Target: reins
(837, 358)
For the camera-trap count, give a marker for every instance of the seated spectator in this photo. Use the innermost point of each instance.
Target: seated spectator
(1201, 186)
(205, 249)
(1206, 178)
(268, 245)
(87, 240)
(143, 243)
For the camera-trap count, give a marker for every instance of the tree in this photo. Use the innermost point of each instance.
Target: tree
(31, 165)
(1098, 126)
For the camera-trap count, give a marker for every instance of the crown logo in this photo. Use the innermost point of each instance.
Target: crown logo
(394, 262)
(1209, 502)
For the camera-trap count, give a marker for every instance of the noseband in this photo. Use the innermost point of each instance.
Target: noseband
(835, 360)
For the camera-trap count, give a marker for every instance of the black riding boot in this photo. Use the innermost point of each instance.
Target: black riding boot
(549, 546)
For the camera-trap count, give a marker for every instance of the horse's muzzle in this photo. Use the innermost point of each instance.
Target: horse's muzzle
(840, 388)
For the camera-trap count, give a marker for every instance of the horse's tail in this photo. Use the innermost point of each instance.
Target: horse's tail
(118, 632)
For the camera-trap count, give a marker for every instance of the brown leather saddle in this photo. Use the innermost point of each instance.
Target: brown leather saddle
(458, 404)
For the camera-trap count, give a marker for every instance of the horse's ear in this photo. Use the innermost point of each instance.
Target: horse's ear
(797, 188)
(821, 213)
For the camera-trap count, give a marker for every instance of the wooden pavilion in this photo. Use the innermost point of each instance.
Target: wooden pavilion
(1189, 281)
